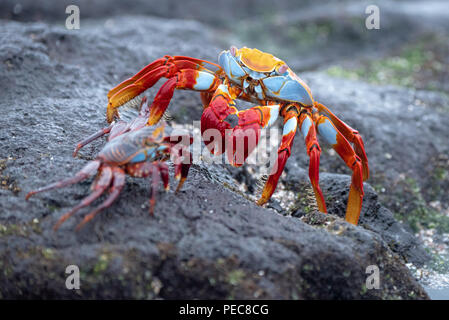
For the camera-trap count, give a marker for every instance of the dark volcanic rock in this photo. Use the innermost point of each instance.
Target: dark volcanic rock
(374, 216)
(208, 241)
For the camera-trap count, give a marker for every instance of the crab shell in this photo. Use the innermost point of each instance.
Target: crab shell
(264, 76)
(133, 147)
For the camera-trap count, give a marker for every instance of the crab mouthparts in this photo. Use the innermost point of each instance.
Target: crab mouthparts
(252, 86)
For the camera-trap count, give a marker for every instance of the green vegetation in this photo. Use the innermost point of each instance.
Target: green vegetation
(422, 215)
(415, 65)
(236, 276)
(400, 70)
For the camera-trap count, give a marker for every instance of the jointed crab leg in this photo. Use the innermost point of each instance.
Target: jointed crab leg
(91, 138)
(185, 79)
(117, 185)
(182, 166)
(349, 133)
(331, 134)
(88, 170)
(181, 62)
(167, 67)
(119, 127)
(99, 186)
(163, 169)
(308, 130)
(155, 178)
(290, 115)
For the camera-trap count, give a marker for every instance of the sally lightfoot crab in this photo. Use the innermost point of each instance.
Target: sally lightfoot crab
(258, 77)
(134, 150)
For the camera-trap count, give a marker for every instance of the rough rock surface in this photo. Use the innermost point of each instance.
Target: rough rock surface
(208, 241)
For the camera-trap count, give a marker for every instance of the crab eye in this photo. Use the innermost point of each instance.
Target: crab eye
(282, 69)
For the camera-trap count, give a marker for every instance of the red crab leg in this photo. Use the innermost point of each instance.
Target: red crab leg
(181, 62)
(99, 186)
(288, 135)
(351, 134)
(185, 79)
(331, 134)
(156, 170)
(163, 169)
(182, 160)
(155, 178)
(181, 157)
(88, 170)
(117, 186)
(114, 130)
(91, 138)
(308, 130)
(165, 67)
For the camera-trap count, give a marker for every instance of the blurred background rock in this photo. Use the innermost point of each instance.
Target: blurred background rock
(391, 84)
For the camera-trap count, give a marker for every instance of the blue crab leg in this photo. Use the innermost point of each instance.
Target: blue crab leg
(99, 186)
(117, 185)
(330, 133)
(349, 133)
(88, 170)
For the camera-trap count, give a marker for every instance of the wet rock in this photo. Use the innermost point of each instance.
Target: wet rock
(208, 241)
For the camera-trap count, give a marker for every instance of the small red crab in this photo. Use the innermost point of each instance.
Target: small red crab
(133, 149)
(261, 78)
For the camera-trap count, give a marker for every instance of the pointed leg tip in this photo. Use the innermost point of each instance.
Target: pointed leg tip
(80, 226)
(354, 207)
(181, 183)
(152, 121)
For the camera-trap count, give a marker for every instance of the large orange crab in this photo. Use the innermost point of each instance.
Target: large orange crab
(258, 77)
